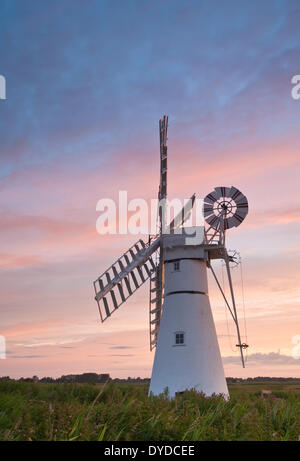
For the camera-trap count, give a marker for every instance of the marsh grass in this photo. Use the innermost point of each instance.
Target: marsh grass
(36, 411)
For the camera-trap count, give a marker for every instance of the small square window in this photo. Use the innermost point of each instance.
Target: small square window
(176, 266)
(179, 338)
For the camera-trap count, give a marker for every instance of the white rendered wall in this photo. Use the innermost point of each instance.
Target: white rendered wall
(196, 364)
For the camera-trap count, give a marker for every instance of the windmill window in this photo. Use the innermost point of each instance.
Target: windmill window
(179, 338)
(176, 266)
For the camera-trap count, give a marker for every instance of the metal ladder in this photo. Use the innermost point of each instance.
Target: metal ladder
(155, 303)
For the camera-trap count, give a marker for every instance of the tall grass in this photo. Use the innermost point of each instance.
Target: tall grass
(35, 411)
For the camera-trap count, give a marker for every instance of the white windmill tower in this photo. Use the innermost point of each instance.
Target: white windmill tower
(182, 328)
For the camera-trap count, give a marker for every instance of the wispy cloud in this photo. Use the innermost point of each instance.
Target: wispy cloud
(121, 347)
(27, 356)
(272, 358)
(52, 343)
(13, 261)
(121, 355)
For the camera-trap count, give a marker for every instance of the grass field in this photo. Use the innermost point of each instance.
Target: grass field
(38, 411)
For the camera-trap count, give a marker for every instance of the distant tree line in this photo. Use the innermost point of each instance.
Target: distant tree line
(95, 378)
(88, 378)
(260, 378)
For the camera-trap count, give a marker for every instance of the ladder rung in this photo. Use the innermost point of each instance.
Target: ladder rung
(121, 292)
(133, 255)
(121, 265)
(154, 321)
(113, 297)
(141, 274)
(101, 284)
(147, 270)
(127, 259)
(128, 285)
(106, 306)
(152, 264)
(134, 279)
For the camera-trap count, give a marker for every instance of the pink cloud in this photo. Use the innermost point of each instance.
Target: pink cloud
(29, 329)
(10, 261)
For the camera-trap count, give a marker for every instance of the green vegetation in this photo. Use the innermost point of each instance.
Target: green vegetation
(59, 411)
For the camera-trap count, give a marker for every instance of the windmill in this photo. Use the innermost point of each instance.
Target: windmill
(182, 329)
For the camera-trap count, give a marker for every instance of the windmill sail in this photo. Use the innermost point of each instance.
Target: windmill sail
(124, 277)
(183, 215)
(157, 277)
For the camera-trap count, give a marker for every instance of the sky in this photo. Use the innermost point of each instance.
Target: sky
(86, 84)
